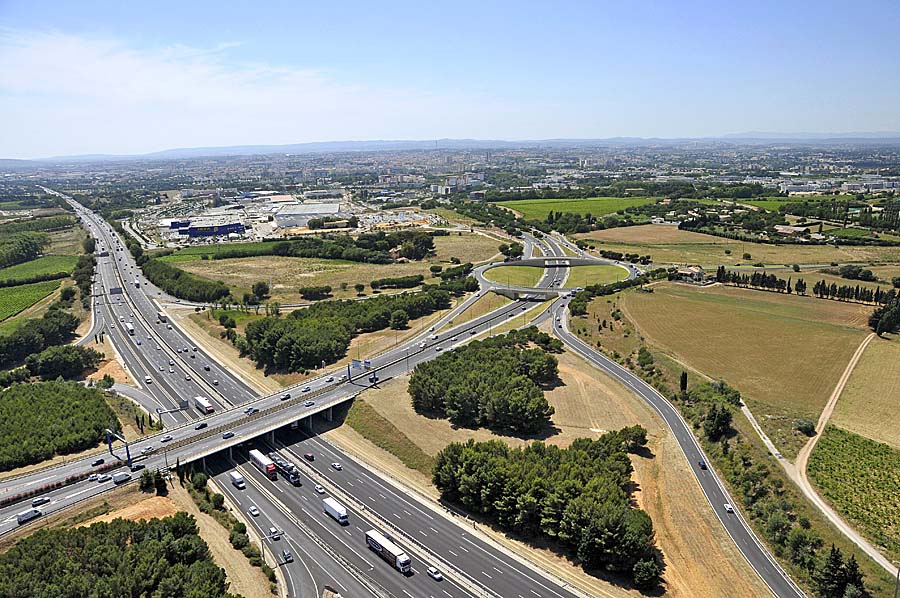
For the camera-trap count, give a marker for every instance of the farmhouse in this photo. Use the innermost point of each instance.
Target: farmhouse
(784, 229)
(693, 273)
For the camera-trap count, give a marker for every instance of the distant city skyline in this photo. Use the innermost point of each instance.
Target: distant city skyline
(125, 78)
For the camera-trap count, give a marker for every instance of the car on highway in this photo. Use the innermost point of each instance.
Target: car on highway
(728, 508)
(97, 462)
(306, 389)
(171, 370)
(41, 500)
(329, 379)
(473, 331)
(286, 396)
(206, 367)
(228, 434)
(103, 478)
(138, 341)
(309, 403)
(251, 410)
(337, 466)
(274, 534)
(166, 438)
(171, 362)
(169, 326)
(187, 377)
(434, 574)
(137, 466)
(253, 511)
(93, 477)
(193, 348)
(422, 345)
(286, 556)
(200, 426)
(438, 348)
(162, 369)
(701, 464)
(319, 489)
(147, 450)
(158, 348)
(215, 382)
(309, 456)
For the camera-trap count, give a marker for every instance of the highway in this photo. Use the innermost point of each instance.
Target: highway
(428, 533)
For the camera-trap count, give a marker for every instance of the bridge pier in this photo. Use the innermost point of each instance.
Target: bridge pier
(309, 423)
(328, 415)
(272, 437)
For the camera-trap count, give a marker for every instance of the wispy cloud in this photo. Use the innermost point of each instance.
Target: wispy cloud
(66, 93)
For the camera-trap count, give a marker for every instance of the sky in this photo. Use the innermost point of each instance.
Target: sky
(118, 77)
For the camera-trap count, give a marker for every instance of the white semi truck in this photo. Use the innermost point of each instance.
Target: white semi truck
(336, 510)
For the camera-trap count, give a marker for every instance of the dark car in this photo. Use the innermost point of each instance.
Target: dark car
(200, 426)
(309, 456)
(206, 367)
(137, 467)
(286, 556)
(702, 464)
(97, 462)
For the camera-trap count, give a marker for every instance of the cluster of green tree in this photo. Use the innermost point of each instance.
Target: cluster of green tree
(315, 293)
(47, 223)
(709, 227)
(456, 272)
(577, 498)
(44, 419)
(55, 327)
(751, 220)
(836, 210)
(62, 361)
(493, 383)
(308, 337)
(770, 508)
(319, 223)
(458, 285)
(512, 251)
(182, 284)
(83, 273)
(488, 213)
(17, 248)
(854, 272)
(400, 282)
(153, 481)
(159, 557)
(578, 304)
(838, 578)
(887, 317)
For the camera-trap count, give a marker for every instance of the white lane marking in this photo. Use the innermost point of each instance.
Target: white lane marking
(519, 571)
(486, 575)
(74, 494)
(453, 553)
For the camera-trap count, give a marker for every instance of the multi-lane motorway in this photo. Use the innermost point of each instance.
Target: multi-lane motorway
(337, 557)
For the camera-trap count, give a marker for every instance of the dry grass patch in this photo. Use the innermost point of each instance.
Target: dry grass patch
(868, 404)
(668, 244)
(784, 353)
(287, 274)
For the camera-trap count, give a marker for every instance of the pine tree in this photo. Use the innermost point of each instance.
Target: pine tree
(830, 580)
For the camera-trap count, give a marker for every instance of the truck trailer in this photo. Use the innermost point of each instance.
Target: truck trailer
(336, 510)
(387, 550)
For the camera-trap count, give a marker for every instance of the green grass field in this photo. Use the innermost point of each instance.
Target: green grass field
(861, 479)
(16, 299)
(517, 276)
(784, 353)
(582, 276)
(773, 203)
(48, 264)
(537, 209)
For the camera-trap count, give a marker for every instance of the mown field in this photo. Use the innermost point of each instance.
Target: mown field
(16, 299)
(522, 276)
(668, 245)
(48, 264)
(773, 203)
(537, 209)
(287, 274)
(582, 276)
(868, 405)
(783, 353)
(861, 479)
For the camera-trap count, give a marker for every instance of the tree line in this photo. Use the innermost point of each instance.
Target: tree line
(34, 335)
(40, 420)
(321, 333)
(400, 282)
(62, 361)
(577, 498)
(493, 383)
(183, 285)
(159, 557)
(47, 223)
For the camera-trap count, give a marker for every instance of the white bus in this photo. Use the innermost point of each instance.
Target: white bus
(161, 316)
(130, 328)
(264, 464)
(387, 550)
(203, 405)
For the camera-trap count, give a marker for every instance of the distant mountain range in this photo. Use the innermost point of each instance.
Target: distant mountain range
(320, 147)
